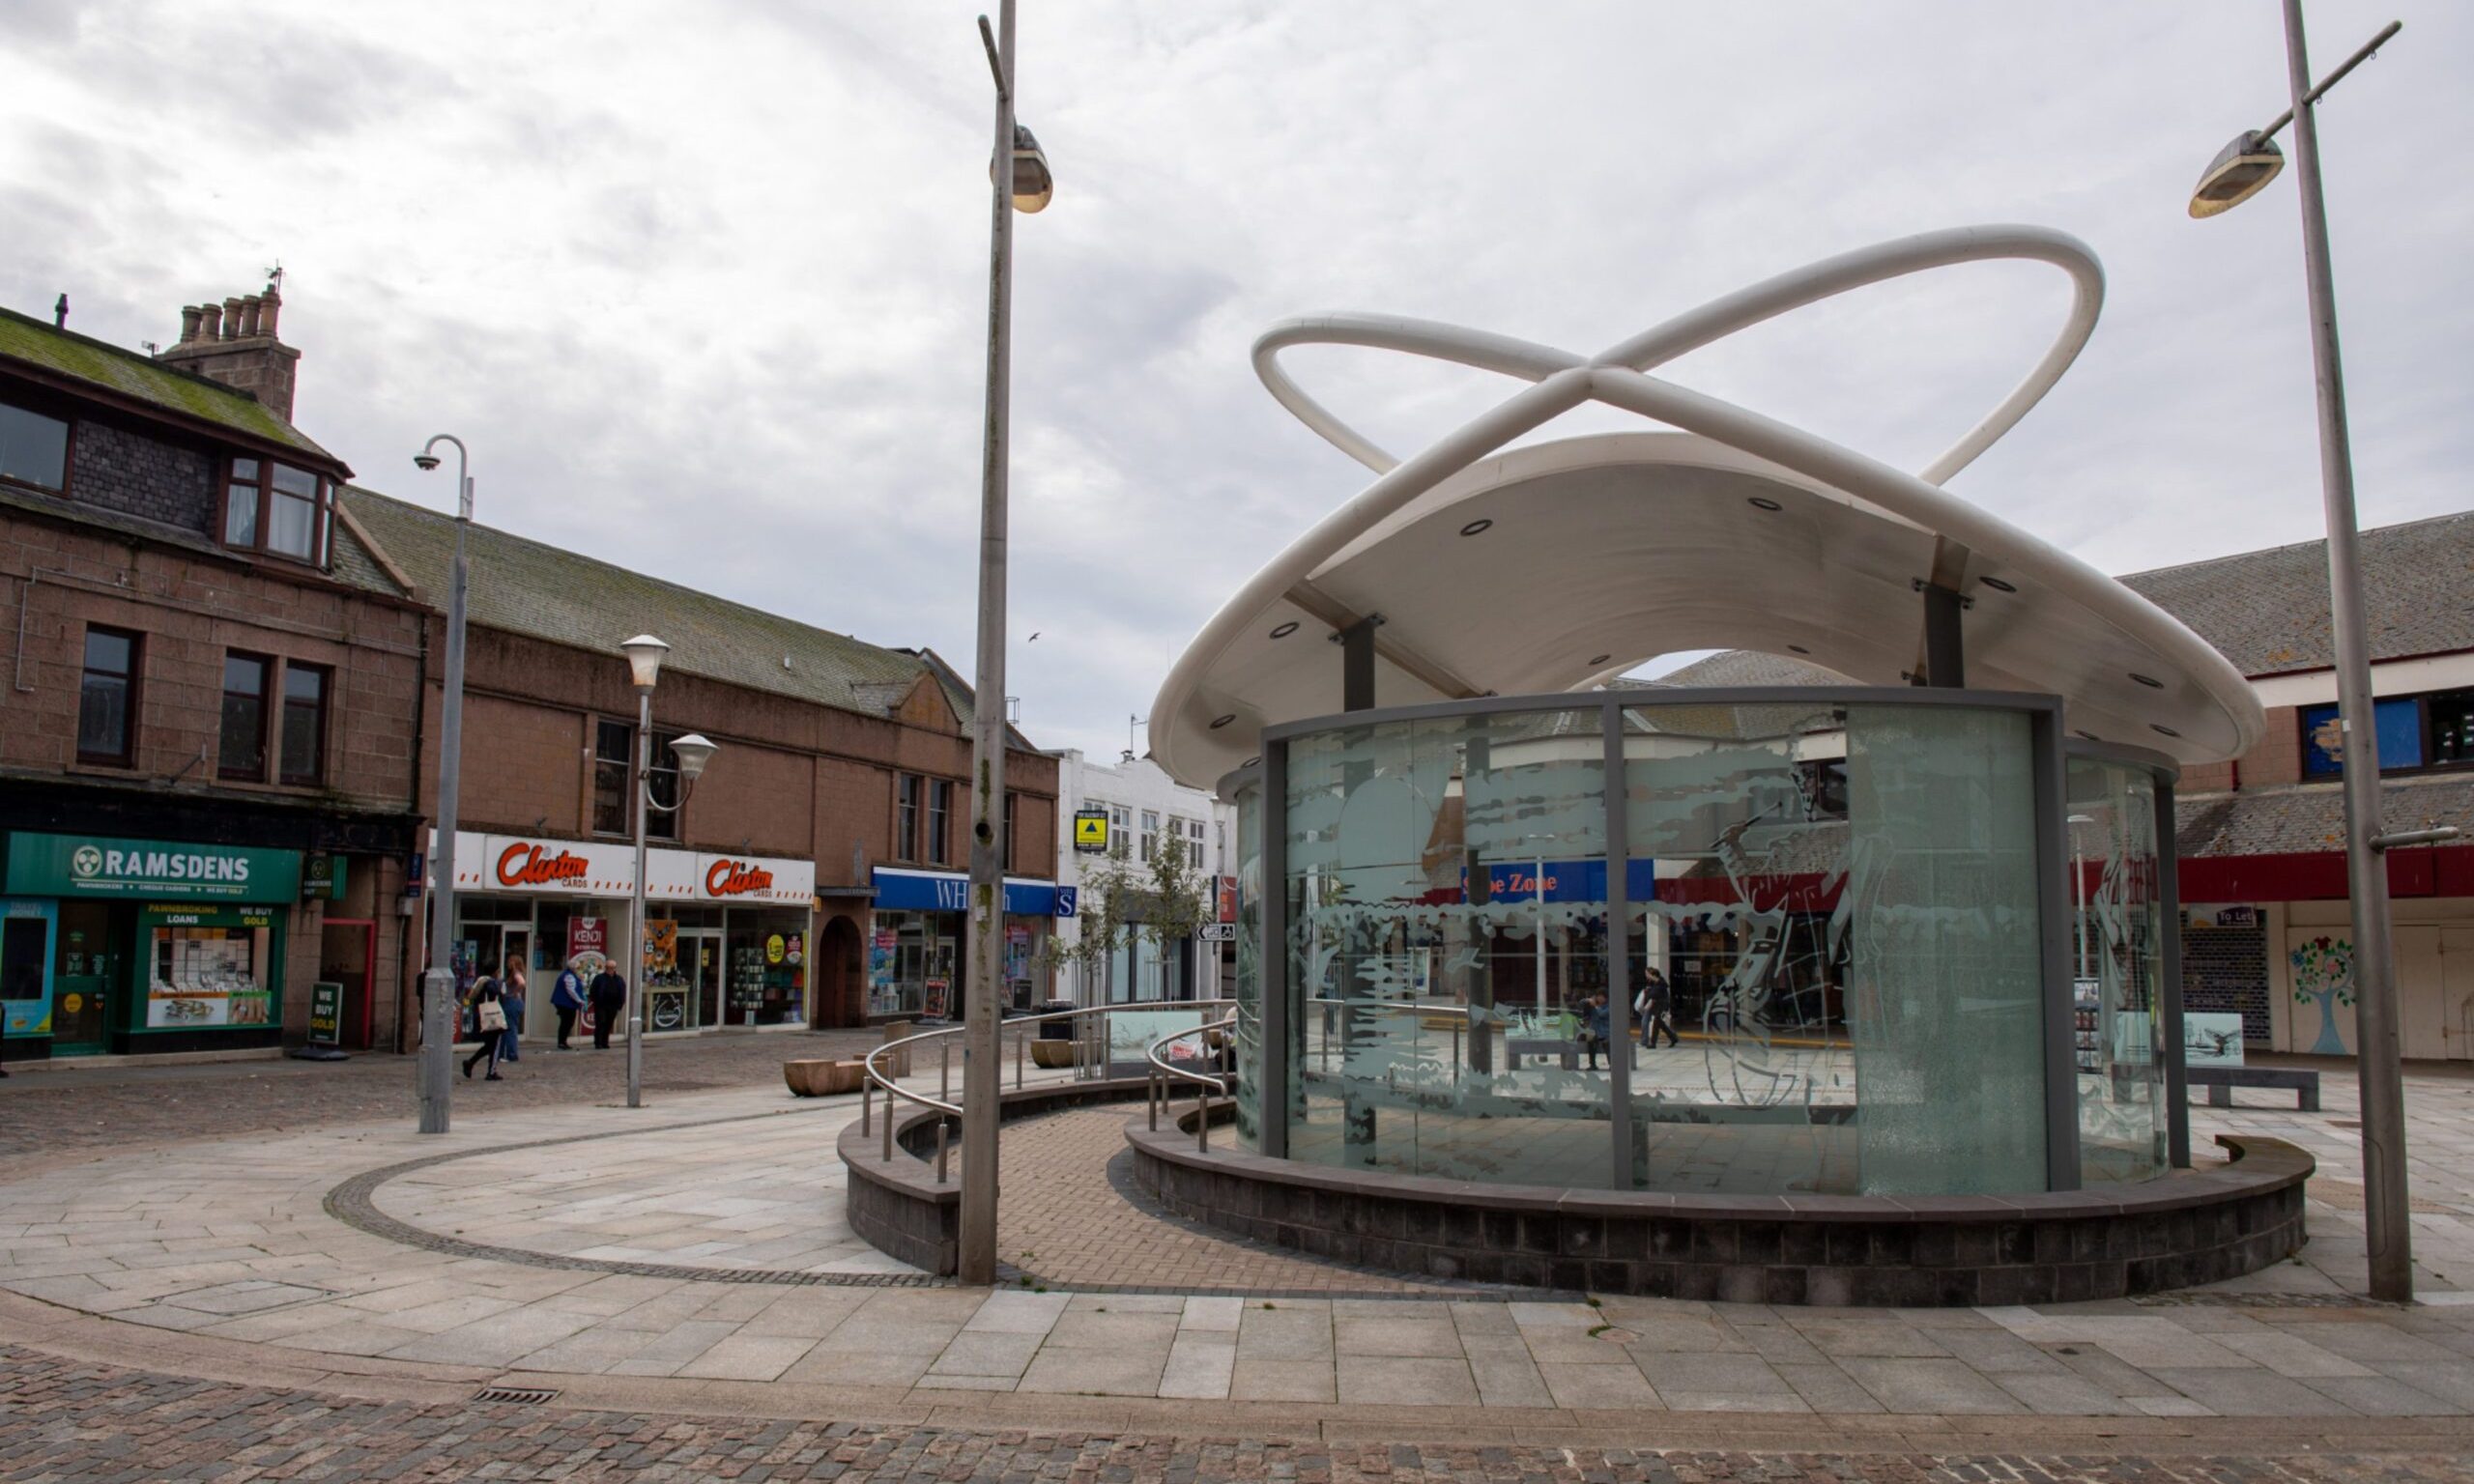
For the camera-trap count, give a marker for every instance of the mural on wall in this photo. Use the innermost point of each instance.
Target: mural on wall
(2323, 971)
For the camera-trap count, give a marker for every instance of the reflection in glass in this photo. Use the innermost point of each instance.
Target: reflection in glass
(2116, 972)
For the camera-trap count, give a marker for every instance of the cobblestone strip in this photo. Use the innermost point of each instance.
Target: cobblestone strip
(69, 1422)
(354, 1203)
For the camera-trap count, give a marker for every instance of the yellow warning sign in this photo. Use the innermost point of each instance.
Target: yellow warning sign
(1091, 831)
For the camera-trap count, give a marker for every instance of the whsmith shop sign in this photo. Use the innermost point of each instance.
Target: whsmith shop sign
(77, 866)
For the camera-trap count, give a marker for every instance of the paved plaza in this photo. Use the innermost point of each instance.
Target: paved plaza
(675, 1275)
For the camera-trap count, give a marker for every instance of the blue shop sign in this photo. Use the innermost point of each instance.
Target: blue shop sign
(1567, 880)
(943, 891)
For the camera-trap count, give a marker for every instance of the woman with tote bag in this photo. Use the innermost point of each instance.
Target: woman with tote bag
(489, 1027)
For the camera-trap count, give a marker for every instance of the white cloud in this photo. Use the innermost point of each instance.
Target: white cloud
(704, 286)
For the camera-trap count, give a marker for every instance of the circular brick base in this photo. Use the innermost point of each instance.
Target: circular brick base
(2188, 1228)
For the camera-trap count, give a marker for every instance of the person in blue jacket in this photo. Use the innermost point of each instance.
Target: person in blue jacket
(566, 997)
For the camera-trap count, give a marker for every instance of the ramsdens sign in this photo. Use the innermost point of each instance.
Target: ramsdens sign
(91, 866)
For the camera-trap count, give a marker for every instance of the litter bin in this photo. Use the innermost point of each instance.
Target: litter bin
(1055, 1030)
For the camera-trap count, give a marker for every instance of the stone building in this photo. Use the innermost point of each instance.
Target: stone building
(207, 783)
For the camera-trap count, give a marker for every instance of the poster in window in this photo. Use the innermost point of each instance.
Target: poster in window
(208, 969)
(2400, 737)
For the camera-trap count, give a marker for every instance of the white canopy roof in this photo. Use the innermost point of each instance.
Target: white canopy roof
(1559, 565)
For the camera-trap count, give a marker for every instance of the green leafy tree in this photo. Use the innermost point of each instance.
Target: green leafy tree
(1124, 900)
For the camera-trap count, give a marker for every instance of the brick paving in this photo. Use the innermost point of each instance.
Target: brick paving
(66, 1420)
(1064, 1221)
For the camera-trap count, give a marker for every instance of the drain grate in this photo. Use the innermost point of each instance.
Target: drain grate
(516, 1396)
(2202, 1299)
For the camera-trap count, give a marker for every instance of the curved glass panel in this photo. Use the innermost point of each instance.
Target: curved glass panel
(1841, 902)
(2118, 973)
(1247, 1083)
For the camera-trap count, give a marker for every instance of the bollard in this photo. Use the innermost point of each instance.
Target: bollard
(1202, 1119)
(1151, 1100)
(1021, 1052)
(944, 1129)
(888, 1126)
(867, 1095)
(944, 1068)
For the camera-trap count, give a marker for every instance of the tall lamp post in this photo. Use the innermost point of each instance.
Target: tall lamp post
(437, 982)
(644, 654)
(2239, 172)
(1024, 186)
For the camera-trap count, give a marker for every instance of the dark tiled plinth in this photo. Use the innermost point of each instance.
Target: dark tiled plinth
(2188, 1228)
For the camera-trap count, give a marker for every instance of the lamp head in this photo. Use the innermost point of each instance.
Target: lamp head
(1034, 185)
(693, 751)
(2240, 171)
(425, 461)
(644, 654)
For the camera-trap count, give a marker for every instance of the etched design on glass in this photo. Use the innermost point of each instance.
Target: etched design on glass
(2116, 972)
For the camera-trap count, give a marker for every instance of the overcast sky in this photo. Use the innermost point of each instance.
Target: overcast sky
(704, 285)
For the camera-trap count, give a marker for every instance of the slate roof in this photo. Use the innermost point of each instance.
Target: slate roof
(1746, 668)
(66, 354)
(2301, 819)
(530, 588)
(2268, 612)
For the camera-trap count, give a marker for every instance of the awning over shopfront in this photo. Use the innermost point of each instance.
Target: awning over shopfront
(948, 891)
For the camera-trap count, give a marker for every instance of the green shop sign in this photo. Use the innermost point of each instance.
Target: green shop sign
(155, 869)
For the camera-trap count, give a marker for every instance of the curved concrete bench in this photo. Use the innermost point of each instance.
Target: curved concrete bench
(2186, 1228)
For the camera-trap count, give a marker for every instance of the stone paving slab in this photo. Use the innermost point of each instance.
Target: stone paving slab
(221, 1250)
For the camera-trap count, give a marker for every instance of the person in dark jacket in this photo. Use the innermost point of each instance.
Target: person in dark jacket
(566, 997)
(489, 1027)
(608, 1002)
(1595, 1029)
(1654, 1009)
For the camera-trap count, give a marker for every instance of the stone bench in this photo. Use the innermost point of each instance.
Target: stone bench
(823, 1078)
(1518, 1046)
(2221, 1081)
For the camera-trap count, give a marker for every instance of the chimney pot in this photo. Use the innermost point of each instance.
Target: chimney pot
(210, 322)
(249, 317)
(269, 303)
(189, 316)
(232, 318)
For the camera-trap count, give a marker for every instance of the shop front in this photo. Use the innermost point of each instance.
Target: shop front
(917, 953)
(123, 945)
(726, 937)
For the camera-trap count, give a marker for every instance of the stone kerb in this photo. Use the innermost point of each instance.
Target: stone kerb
(2189, 1228)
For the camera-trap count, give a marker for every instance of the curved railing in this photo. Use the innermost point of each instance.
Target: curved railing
(1206, 1085)
(1091, 1058)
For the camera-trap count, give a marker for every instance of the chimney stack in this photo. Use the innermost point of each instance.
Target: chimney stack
(233, 342)
(60, 312)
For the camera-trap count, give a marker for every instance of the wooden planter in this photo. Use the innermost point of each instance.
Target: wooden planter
(823, 1078)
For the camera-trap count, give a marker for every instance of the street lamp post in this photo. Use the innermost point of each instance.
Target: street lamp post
(438, 981)
(1025, 185)
(644, 654)
(2239, 172)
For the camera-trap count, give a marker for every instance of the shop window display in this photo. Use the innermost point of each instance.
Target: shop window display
(209, 968)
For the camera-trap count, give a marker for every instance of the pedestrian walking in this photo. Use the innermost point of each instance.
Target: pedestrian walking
(511, 992)
(566, 997)
(609, 998)
(1654, 1007)
(1596, 1030)
(489, 1027)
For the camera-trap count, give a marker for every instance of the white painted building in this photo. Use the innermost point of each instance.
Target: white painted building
(1149, 810)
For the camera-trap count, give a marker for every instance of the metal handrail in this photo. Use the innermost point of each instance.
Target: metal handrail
(879, 1078)
(1162, 1065)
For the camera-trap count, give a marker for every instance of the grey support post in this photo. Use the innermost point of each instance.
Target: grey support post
(2053, 914)
(1627, 1176)
(1272, 955)
(2169, 922)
